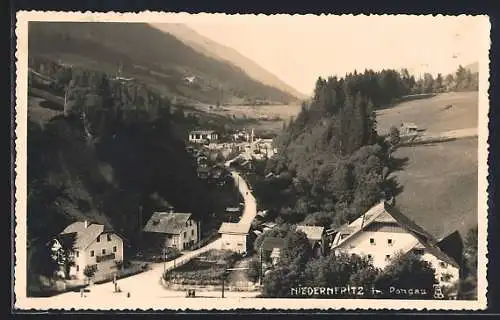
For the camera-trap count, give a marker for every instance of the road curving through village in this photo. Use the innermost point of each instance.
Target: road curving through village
(147, 286)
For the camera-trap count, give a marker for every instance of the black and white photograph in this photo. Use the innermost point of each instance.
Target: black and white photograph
(216, 161)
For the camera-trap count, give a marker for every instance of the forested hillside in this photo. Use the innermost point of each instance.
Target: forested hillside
(331, 164)
(150, 55)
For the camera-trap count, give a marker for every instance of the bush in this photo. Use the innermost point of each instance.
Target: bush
(253, 271)
(90, 270)
(172, 253)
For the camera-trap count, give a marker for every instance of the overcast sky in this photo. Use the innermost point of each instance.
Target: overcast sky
(298, 49)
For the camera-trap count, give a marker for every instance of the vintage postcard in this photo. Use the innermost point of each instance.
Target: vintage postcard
(215, 162)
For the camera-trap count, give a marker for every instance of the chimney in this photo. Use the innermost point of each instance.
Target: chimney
(86, 224)
(390, 201)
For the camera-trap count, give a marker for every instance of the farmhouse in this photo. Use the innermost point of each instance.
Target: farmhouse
(234, 236)
(202, 136)
(383, 231)
(408, 128)
(316, 236)
(89, 244)
(171, 229)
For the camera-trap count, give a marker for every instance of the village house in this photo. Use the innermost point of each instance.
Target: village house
(171, 230)
(234, 236)
(316, 236)
(408, 128)
(203, 136)
(274, 245)
(90, 244)
(383, 231)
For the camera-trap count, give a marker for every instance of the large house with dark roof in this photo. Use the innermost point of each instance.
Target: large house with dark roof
(171, 229)
(383, 231)
(89, 244)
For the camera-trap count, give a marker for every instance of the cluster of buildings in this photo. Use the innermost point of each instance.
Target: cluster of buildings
(95, 245)
(380, 234)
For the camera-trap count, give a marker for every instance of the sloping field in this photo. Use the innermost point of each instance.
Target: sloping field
(440, 185)
(432, 114)
(41, 111)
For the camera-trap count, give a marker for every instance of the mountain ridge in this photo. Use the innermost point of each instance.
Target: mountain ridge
(219, 51)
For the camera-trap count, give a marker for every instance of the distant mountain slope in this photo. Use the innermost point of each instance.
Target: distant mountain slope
(157, 58)
(216, 50)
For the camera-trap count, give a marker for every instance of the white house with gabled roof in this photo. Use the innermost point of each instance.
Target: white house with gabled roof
(383, 231)
(90, 244)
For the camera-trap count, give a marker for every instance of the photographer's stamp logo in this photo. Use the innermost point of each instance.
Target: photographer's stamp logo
(438, 293)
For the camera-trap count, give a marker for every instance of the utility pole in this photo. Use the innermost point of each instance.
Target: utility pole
(224, 277)
(139, 222)
(260, 269)
(164, 253)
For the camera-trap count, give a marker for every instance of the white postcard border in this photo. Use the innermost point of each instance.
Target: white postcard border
(22, 302)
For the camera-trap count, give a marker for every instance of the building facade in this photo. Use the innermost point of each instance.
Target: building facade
(383, 232)
(203, 136)
(234, 237)
(171, 230)
(90, 245)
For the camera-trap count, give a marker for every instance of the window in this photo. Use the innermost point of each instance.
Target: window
(387, 256)
(372, 241)
(443, 264)
(187, 224)
(114, 249)
(442, 279)
(77, 268)
(389, 242)
(370, 256)
(98, 238)
(77, 254)
(192, 232)
(109, 236)
(169, 236)
(92, 253)
(103, 251)
(184, 234)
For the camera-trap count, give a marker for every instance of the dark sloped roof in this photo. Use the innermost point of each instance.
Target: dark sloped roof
(269, 243)
(167, 222)
(452, 245)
